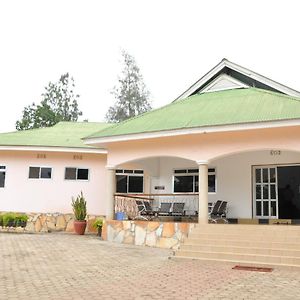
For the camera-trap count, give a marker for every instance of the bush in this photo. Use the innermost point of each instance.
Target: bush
(9, 219)
(21, 220)
(79, 207)
(13, 220)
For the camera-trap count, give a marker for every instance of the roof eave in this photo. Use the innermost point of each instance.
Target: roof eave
(53, 149)
(102, 141)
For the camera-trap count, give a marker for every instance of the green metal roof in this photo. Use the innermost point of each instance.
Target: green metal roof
(236, 106)
(63, 134)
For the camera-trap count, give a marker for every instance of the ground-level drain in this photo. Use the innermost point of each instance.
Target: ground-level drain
(256, 269)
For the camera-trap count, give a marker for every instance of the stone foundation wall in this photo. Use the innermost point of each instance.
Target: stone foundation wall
(52, 222)
(146, 233)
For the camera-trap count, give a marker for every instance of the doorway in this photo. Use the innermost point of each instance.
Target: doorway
(289, 192)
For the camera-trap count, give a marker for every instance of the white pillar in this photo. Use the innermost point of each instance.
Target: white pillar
(203, 192)
(111, 190)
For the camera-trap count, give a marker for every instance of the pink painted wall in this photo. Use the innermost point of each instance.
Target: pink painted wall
(51, 195)
(206, 146)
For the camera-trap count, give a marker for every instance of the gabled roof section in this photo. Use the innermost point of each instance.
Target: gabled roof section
(206, 110)
(243, 75)
(63, 134)
(223, 82)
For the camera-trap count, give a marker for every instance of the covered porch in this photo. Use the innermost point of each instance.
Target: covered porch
(260, 187)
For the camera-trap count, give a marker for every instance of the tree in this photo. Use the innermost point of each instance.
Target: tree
(131, 94)
(59, 103)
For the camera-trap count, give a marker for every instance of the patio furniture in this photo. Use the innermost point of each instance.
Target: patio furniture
(178, 209)
(164, 209)
(145, 211)
(218, 212)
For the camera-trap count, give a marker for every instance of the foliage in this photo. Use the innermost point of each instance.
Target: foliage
(59, 103)
(131, 94)
(98, 223)
(79, 207)
(13, 219)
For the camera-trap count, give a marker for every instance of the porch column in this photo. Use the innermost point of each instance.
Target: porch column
(111, 190)
(203, 192)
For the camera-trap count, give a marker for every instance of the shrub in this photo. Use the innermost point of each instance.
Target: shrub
(98, 223)
(79, 207)
(13, 220)
(21, 220)
(9, 219)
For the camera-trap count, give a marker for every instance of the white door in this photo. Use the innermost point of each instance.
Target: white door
(265, 192)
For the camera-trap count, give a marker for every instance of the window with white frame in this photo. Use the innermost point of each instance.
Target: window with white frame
(40, 172)
(129, 181)
(76, 174)
(2, 176)
(187, 180)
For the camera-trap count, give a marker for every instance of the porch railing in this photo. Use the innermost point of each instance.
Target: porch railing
(127, 202)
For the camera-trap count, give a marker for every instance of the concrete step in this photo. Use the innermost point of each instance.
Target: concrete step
(247, 236)
(241, 250)
(242, 243)
(248, 244)
(243, 263)
(274, 229)
(255, 258)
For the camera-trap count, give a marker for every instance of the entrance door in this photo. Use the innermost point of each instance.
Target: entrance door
(266, 199)
(289, 192)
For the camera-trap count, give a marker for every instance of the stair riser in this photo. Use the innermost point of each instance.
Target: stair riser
(240, 257)
(240, 243)
(241, 250)
(282, 238)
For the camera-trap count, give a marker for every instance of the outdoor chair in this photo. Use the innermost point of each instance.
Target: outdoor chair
(145, 211)
(218, 212)
(178, 209)
(164, 209)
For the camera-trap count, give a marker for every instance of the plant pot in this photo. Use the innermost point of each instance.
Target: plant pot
(79, 227)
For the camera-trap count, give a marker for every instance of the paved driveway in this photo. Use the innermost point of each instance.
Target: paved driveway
(64, 266)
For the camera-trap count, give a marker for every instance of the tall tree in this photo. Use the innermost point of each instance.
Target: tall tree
(131, 93)
(59, 103)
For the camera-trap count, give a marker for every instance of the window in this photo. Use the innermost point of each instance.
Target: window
(76, 174)
(2, 176)
(187, 181)
(40, 172)
(130, 181)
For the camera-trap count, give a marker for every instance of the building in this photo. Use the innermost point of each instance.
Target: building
(234, 131)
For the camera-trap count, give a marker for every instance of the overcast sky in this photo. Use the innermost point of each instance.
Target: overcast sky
(174, 43)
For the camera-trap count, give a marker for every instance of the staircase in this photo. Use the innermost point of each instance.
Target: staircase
(251, 245)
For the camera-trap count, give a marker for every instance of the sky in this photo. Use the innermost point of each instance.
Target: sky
(174, 44)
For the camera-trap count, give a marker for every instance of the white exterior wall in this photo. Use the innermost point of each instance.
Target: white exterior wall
(233, 176)
(51, 195)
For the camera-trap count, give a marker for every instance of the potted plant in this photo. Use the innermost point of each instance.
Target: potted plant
(98, 224)
(79, 209)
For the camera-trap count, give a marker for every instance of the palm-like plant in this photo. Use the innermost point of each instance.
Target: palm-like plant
(79, 207)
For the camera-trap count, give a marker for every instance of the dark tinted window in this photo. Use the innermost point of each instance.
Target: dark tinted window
(70, 174)
(211, 183)
(2, 179)
(183, 184)
(34, 172)
(83, 174)
(121, 184)
(136, 184)
(196, 184)
(46, 173)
